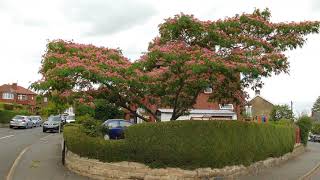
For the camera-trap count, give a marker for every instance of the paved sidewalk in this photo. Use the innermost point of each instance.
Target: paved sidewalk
(293, 169)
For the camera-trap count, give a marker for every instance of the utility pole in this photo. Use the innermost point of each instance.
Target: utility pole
(291, 107)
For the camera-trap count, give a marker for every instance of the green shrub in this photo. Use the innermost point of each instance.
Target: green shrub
(7, 106)
(82, 109)
(315, 128)
(187, 144)
(305, 125)
(91, 126)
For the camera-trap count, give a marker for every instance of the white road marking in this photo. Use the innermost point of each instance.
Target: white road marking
(6, 137)
(15, 163)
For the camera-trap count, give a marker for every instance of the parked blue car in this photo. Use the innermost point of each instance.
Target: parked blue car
(115, 128)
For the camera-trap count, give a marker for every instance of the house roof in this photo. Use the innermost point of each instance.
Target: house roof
(202, 111)
(259, 96)
(17, 90)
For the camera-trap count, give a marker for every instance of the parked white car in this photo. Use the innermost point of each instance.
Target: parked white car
(37, 121)
(71, 119)
(21, 121)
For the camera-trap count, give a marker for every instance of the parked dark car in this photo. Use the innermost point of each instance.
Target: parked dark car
(314, 138)
(54, 123)
(115, 128)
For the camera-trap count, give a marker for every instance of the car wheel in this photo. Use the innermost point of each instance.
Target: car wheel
(10, 127)
(43, 130)
(106, 137)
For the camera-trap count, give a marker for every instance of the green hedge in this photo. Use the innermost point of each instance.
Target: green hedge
(94, 147)
(6, 116)
(187, 144)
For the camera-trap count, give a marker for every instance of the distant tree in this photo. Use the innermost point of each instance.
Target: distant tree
(279, 112)
(53, 108)
(316, 105)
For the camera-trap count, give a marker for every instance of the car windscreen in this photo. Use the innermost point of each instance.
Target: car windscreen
(18, 117)
(34, 117)
(54, 118)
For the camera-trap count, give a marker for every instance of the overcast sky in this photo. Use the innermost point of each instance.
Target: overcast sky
(26, 26)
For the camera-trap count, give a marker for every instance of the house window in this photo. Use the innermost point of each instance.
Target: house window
(226, 106)
(208, 90)
(7, 96)
(248, 111)
(22, 97)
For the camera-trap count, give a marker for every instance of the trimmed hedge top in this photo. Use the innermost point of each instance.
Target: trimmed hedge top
(188, 144)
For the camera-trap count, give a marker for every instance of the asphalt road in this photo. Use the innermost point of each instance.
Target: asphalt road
(30, 154)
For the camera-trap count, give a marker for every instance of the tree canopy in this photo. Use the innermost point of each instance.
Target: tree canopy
(316, 105)
(188, 56)
(279, 112)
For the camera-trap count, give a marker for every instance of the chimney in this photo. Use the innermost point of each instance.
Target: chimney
(15, 86)
(257, 92)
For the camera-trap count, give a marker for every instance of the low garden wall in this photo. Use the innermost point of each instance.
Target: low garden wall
(96, 169)
(195, 149)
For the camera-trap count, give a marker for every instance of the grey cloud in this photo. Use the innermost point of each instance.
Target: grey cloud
(107, 16)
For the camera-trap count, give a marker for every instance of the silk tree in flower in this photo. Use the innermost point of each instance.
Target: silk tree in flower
(84, 72)
(190, 55)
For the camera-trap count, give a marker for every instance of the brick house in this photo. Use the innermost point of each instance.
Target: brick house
(258, 108)
(17, 94)
(202, 110)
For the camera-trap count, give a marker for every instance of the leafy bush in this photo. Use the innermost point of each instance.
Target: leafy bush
(82, 109)
(187, 144)
(305, 125)
(7, 106)
(315, 128)
(91, 126)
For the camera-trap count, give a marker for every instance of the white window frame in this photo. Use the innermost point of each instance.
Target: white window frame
(22, 97)
(226, 106)
(208, 90)
(7, 95)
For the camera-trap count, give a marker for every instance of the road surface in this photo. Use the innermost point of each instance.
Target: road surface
(30, 154)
